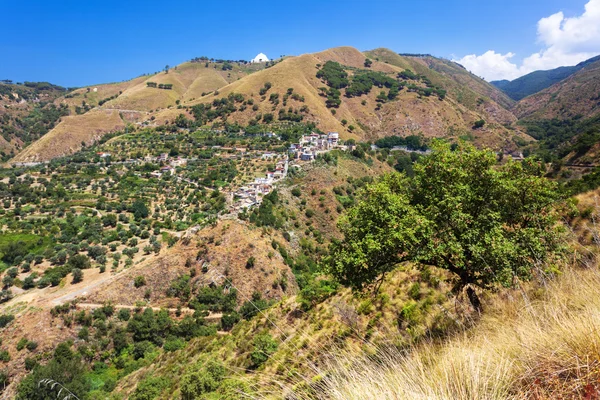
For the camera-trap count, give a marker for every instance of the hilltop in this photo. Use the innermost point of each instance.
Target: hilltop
(294, 94)
(537, 81)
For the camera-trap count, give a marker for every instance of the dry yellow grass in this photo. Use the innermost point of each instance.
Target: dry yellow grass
(67, 136)
(540, 348)
(101, 92)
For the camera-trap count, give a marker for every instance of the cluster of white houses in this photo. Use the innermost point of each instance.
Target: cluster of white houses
(251, 194)
(170, 164)
(312, 145)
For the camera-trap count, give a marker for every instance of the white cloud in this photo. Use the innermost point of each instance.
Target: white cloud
(491, 65)
(566, 41)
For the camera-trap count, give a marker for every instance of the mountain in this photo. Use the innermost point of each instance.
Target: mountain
(577, 95)
(167, 263)
(295, 93)
(537, 81)
(410, 113)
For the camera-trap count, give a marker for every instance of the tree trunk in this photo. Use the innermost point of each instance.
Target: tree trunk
(474, 299)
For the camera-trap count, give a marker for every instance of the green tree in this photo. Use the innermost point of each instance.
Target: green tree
(486, 224)
(201, 379)
(478, 124)
(150, 388)
(139, 209)
(139, 281)
(79, 261)
(264, 346)
(77, 275)
(65, 367)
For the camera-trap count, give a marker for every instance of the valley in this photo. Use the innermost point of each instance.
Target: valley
(226, 229)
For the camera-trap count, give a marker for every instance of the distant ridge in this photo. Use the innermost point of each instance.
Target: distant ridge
(538, 80)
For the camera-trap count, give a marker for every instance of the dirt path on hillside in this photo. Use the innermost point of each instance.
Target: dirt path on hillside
(184, 310)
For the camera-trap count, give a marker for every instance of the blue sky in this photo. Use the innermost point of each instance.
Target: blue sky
(77, 43)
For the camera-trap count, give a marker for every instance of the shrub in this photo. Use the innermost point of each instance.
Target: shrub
(139, 281)
(150, 388)
(5, 319)
(77, 275)
(263, 346)
(202, 380)
(30, 363)
(478, 124)
(80, 261)
(174, 344)
(229, 320)
(251, 308)
(124, 314)
(84, 333)
(21, 344)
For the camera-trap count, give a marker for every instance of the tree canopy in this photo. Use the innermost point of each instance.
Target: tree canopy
(486, 224)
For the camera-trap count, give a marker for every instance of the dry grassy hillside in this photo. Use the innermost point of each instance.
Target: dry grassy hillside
(409, 114)
(25, 113)
(93, 94)
(469, 99)
(578, 95)
(216, 254)
(132, 100)
(189, 80)
(68, 135)
(466, 88)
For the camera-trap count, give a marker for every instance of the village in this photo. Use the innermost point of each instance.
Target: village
(250, 194)
(307, 150)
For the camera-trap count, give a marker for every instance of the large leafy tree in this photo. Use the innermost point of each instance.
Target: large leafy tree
(487, 224)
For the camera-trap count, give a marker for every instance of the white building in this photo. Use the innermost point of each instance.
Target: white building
(261, 57)
(333, 138)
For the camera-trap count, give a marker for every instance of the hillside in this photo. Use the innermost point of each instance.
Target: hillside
(295, 88)
(577, 95)
(464, 86)
(27, 112)
(297, 95)
(100, 109)
(537, 81)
